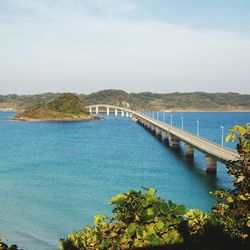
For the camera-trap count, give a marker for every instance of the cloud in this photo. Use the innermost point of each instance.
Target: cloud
(65, 46)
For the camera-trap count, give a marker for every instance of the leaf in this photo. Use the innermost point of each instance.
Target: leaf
(248, 223)
(151, 228)
(180, 210)
(159, 225)
(99, 219)
(150, 199)
(164, 208)
(233, 137)
(139, 232)
(154, 240)
(242, 197)
(151, 192)
(144, 203)
(151, 211)
(240, 179)
(230, 199)
(228, 137)
(132, 229)
(118, 199)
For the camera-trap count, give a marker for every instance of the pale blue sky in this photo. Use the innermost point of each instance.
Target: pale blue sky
(136, 45)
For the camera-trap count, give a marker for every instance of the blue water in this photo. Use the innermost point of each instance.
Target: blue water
(55, 176)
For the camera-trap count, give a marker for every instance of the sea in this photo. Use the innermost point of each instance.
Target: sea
(56, 176)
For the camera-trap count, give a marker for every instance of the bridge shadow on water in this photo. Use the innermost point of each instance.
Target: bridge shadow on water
(192, 165)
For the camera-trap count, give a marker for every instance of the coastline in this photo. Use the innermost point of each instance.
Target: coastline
(56, 120)
(173, 110)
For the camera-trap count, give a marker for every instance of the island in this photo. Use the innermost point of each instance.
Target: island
(65, 107)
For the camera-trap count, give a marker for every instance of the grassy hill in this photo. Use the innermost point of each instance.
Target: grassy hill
(199, 101)
(65, 107)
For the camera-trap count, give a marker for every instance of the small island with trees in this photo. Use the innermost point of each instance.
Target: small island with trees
(65, 107)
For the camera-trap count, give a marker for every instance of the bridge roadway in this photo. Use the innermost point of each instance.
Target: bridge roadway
(174, 135)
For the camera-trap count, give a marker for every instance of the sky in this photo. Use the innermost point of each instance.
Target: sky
(160, 46)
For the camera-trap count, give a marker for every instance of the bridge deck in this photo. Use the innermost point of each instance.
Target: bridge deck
(209, 148)
(212, 149)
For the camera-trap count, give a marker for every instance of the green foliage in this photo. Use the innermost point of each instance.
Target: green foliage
(67, 103)
(242, 135)
(66, 106)
(4, 246)
(197, 221)
(232, 210)
(141, 220)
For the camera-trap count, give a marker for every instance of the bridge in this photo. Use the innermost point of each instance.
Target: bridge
(173, 135)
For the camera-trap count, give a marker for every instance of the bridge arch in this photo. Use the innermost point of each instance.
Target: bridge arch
(116, 109)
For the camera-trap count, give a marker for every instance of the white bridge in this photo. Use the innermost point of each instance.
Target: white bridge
(173, 135)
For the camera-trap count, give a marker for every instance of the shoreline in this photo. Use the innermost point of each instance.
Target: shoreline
(177, 110)
(93, 118)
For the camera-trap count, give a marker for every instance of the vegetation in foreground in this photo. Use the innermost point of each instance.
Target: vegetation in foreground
(65, 107)
(4, 246)
(143, 220)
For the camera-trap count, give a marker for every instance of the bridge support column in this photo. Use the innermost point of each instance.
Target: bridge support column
(107, 110)
(122, 113)
(127, 115)
(211, 164)
(173, 141)
(116, 112)
(164, 135)
(90, 110)
(148, 125)
(189, 151)
(152, 127)
(157, 131)
(130, 115)
(96, 110)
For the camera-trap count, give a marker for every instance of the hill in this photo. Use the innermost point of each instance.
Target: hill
(65, 107)
(193, 101)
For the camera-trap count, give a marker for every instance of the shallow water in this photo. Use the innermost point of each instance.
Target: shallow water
(54, 177)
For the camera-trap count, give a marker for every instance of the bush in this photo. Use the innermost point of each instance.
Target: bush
(141, 220)
(232, 210)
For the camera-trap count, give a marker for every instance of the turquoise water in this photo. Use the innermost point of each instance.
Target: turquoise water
(54, 177)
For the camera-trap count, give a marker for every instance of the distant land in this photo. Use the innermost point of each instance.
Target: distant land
(193, 101)
(65, 107)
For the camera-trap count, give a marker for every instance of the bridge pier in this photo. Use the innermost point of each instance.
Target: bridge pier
(122, 113)
(90, 110)
(152, 127)
(211, 164)
(157, 131)
(96, 110)
(107, 110)
(127, 115)
(164, 135)
(173, 141)
(116, 112)
(189, 151)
